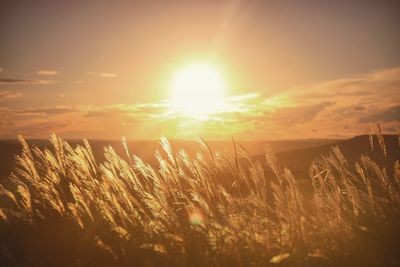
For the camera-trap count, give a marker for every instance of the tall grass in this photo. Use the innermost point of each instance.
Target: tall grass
(61, 207)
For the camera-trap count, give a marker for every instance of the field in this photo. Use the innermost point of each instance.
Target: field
(62, 206)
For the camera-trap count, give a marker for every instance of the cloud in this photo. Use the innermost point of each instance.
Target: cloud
(24, 81)
(108, 75)
(391, 114)
(9, 94)
(378, 84)
(354, 101)
(343, 107)
(124, 111)
(102, 113)
(9, 112)
(45, 111)
(47, 72)
(102, 74)
(6, 123)
(300, 114)
(41, 129)
(360, 108)
(36, 122)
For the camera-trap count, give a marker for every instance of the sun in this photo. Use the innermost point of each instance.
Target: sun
(197, 90)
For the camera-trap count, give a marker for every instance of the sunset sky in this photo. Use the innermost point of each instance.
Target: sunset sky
(105, 69)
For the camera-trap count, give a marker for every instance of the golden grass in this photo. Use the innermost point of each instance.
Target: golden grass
(62, 207)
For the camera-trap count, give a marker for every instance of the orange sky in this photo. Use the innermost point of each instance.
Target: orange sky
(102, 69)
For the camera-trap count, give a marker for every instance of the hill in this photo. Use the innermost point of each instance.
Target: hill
(146, 149)
(297, 155)
(299, 160)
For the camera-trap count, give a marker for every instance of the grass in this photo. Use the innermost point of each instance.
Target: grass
(61, 207)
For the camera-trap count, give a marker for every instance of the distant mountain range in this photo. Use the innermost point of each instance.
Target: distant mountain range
(295, 154)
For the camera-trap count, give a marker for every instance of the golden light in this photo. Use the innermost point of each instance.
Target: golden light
(197, 90)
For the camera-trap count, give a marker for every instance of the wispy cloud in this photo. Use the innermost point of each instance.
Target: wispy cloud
(141, 111)
(108, 75)
(9, 94)
(300, 114)
(102, 74)
(388, 115)
(353, 103)
(24, 81)
(35, 122)
(55, 110)
(45, 111)
(33, 129)
(343, 107)
(47, 72)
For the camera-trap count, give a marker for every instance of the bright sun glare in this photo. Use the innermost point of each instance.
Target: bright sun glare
(197, 90)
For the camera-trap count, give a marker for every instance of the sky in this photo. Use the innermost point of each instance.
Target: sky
(292, 69)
